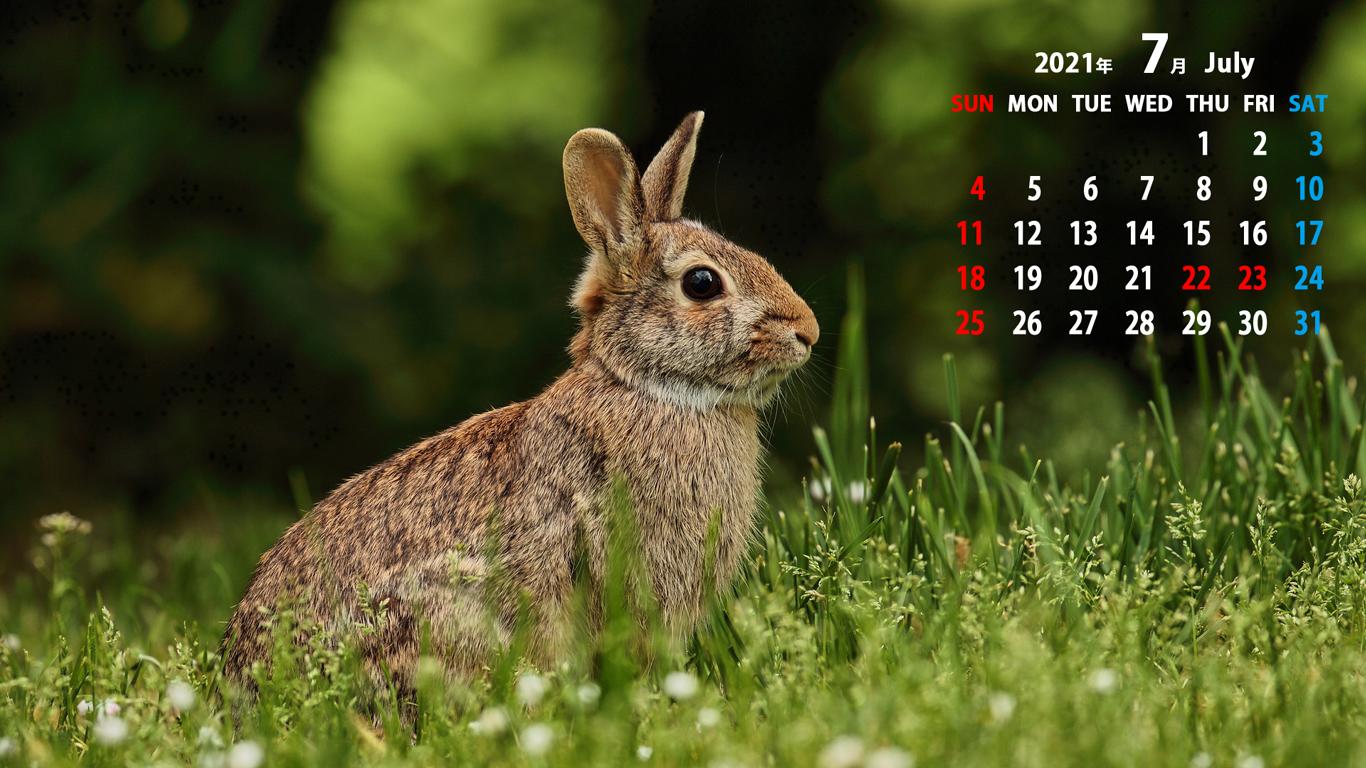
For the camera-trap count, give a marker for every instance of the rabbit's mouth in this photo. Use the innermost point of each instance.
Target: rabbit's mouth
(765, 375)
(764, 388)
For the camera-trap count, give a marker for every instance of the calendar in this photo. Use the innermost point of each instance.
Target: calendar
(1161, 214)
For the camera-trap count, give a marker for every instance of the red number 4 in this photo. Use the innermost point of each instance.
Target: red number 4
(978, 189)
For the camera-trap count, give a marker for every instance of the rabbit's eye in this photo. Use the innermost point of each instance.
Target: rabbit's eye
(701, 284)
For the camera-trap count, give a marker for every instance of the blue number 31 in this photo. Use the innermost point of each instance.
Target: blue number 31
(1303, 317)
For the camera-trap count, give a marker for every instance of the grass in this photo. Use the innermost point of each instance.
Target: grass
(1200, 604)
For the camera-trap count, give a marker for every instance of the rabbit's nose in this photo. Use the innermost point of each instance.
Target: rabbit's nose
(807, 329)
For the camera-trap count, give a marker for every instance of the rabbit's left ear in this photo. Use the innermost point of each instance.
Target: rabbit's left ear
(666, 180)
(603, 187)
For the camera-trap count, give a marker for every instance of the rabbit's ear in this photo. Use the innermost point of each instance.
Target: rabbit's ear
(603, 187)
(666, 179)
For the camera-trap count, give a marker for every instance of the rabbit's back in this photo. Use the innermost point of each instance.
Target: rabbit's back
(407, 535)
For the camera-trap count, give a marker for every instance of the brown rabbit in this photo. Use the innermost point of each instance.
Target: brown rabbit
(685, 336)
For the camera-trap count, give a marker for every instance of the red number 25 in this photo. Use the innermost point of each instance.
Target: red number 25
(972, 322)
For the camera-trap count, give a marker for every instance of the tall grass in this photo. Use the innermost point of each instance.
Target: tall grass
(1200, 603)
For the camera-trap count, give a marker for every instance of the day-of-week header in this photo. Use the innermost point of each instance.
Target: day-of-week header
(1161, 102)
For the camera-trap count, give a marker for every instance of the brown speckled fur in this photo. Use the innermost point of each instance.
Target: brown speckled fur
(664, 392)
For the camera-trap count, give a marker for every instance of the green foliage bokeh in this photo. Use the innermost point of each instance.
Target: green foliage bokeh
(249, 241)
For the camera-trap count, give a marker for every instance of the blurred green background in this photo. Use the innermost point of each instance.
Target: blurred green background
(249, 248)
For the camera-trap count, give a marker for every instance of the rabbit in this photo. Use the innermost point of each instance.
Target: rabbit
(684, 339)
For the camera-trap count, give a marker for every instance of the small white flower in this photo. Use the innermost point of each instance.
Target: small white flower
(1104, 680)
(7, 745)
(12, 642)
(1002, 706)
(858, 491)
(110, 707)
(110, 730)
(890, 757)
(84, 707)
(213, 760)
(819, 488)
(1202, 760)
(643, 752)
(208, 737)
(180, 694)
(1250, 761)
(531, 688)
(491, 722)
(589, 693)
(843, 752)
(246, 754)
(708, 718)
(537, 738)
(680, 686)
